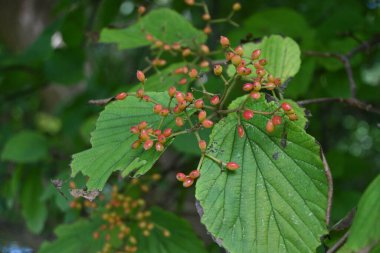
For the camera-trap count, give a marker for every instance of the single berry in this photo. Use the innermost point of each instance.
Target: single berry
(247, 87)
(188, 182)
(180, 97)
(232, 166)
(206, 17)
(270, 86)
(204, 64)
(224, 41)
(186, 52)
(136, 144)
(286, 107)
(236, 6)
(215, 100)
(146, 98)
(181, 177)
(205, 49)
(149, 37)
(159, 147)
(276, 119)
(207, 123)
(140, 76)
(193, 73)
(134, 129)
(255, 54)
(121, 96)
(144, 135)
(161, 138)
(263, 62)
(293, 116)
(202, 116)
(157, 108)
(142, 125)
(159, 43)
(248, 114)
(202, 145)
(229, 56)
(207, 29)
(167, 132)
(240, 131)
(270, 126)
(194, 174)
(199, 104)
(239, 50)
(157, 132)
(182, 81)
(176, 46)
(256, 86)
(218, 69)
(240, 70)
(236, 60)
(141, 10)
(140, 93)
(171, 91)
(260, 72)
(179, 121)
(148, 144)
(189, 97)
(164, 112)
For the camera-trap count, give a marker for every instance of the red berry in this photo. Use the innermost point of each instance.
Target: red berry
(159, 147)
(134, 129)
(164, 112)
(183, 81)
(224, 41)
(248, 114)
(167, 132)
(194, 174)
(188, 182)
(157, 108)
(161, 138)
(199, 104)
(240, 70)
(256, 86)
(263, 62)
(202, 116)
(144, 135)
(270, 86)
(179, 96)
(171, 91)
(193, 73)
(239, 50)
(240, 131)
(140, 93)
(255, 95)
(186, 52)
(189, 97)
(157, 132)
(232, 166)
(148, 144)
(140, 76)
(256, 54)
(202, 145)
(143, 125)
(95, 235)
(121, 96)
(286, 107)
(215, 100)
(179, 121)
(276, 120)
(207, 123)
(181, 177)
(270, 126)
(247, 87)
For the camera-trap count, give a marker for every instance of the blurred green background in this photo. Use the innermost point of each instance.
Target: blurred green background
(51, 65)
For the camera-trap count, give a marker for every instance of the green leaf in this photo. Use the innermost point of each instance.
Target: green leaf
(365, 229)
(34, 209)
(111, 141)
(276, 201)
(282, 53)
(182, 237)
(25, 147)
(75, 238)
(164, 24)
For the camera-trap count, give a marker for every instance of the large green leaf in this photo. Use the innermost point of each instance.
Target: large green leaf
(34, 208)
(276, 201)
(25, 147)
(75, 238)
(365, 229)
(111, 141)
(182, 237)
(282, 53)
(164, 24)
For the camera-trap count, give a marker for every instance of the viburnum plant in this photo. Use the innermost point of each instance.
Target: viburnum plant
(262, 183)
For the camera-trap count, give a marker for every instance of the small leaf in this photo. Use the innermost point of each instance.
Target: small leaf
(282, 53)
(111, 141)
(25, 147)
(75, 238)
(365, 229)
(164, 24)
(34, 209)
(276, 201)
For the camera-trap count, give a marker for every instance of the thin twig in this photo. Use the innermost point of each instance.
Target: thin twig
(100, 102)
(339, 243)
(349, 101)
(330, 187)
